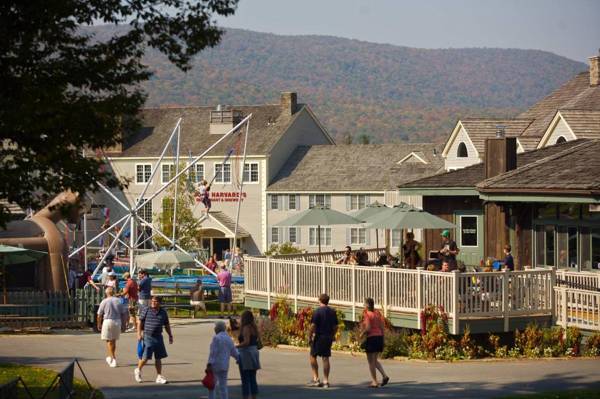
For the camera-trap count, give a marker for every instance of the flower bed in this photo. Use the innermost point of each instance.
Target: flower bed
(433, 342)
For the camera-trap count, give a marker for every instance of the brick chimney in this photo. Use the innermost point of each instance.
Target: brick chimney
(289, 102)
(500, 154)
(595, 70)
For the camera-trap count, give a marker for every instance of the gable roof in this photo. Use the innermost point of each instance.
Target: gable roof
(575, 94)
(480, 129)
(267, 126)
(354, 167)
(584, 123)
(472, 175)
(575, 169)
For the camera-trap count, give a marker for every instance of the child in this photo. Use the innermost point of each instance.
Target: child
(204, 190)
(508, 261)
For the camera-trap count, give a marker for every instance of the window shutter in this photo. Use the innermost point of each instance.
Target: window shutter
(348, 236)
(328, 201)
(280, 231)
(269, 202)
(285, 204)
(348, 202)
(367, 200)
(298, 238)
(367, 237)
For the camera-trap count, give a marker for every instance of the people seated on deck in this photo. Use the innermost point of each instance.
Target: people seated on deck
(237, 262)
(212, 263)
(345, 259)
(446, 266)
(382, 259)
(362, 257)
(508, 262)
(449, 250)
(410, 249)
(197, 298)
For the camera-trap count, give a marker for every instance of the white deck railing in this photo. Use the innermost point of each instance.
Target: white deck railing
(462, 295)
(328, 257)
(577, 308)
(580, 280)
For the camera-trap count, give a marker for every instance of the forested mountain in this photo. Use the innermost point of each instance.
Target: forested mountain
(387, 92)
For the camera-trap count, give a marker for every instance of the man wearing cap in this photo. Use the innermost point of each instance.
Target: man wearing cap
(449, 250)
(112, 317)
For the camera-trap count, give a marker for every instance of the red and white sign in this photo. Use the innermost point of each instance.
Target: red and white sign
(224, 196)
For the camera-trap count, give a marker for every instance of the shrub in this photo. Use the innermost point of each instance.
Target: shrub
(573, 341)
(553, 342)
(283, 249)
(468, 349)
(395, 344)
(592, 346)
(270, 335)
(496, 349)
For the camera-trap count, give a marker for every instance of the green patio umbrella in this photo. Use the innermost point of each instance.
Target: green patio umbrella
(319, 216)
(373, 210)
(14, 256)
(164, 260)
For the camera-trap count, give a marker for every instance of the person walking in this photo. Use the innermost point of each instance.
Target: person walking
(221, 348)
(225, 296)
(321, 336)
(150, 327)
(373, 327)
(249, 356)
(130, 292)
(111, 320)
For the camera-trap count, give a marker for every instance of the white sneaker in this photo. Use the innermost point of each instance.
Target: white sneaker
(113, 363)
(109, 361)
(137, 374)
(160, 379)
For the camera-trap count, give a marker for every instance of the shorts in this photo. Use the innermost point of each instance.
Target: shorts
(206, 201)
(198, 305)
(374, 344)
(321, 346)
(225, 295)
(154, 346)
(133, 308)
(111, 330)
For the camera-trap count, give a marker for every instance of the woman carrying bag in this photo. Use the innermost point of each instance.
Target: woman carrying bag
(372, 327)
(249, 343)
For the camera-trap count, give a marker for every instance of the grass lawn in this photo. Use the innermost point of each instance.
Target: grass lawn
(579, 394)
(38, 380)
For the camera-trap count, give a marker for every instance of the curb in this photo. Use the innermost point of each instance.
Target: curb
(408, 360)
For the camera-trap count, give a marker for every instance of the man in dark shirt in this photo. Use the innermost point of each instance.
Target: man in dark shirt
(322, 334)
(144, 288)
(150, 326)
(508, 261)
(449, 250)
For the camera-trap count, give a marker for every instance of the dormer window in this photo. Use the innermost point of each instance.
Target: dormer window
(561, 140)
(462, 151)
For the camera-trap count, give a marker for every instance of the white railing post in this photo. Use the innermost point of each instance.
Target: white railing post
(455, 300)
(295, 286)
(385, 291)
(552, 295)
(269, 283)
(323, 278)
(353, 291)
(419, 295)
(563, 305)
(505, 302)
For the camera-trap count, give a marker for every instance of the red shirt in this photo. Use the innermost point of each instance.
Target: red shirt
(131, 289)
(375, 321)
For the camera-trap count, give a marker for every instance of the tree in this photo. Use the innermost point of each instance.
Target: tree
(187, 233)
(63, 90)
(363, 138)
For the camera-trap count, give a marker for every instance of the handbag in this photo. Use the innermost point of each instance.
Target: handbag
(140, 348)
(209, 380)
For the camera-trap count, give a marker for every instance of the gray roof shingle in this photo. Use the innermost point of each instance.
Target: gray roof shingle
(481, 129)
(355, 167)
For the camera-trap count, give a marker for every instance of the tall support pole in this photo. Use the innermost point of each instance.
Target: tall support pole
(85, 253)
(98, 236)
(239, 204)
(111, 246)
(198, 158)
(176, 184)
(132, 231)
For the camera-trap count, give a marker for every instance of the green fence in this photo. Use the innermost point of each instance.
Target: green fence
(51, 309)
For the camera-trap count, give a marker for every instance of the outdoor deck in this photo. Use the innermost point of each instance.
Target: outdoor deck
(485, 302)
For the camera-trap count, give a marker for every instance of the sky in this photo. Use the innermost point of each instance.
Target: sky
(570, 28)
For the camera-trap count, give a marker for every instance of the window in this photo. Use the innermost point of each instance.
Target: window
(595, 238)
(142, 173)
(325, 236)
(358, 236)
(561, 140)
(468, 231)
(168, 172)
(275, 235)
(274, 201)
(396, 238)
(250, 173)
(223, 173)
(146, 211)
(197, 173)
(357, 202)
(293, 202)
(462, 152)
(323, 200)
(293, 235)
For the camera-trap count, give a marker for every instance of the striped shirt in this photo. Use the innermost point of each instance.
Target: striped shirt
(154, 321)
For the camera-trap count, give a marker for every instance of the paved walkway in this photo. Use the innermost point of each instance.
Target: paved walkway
(285, 372)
